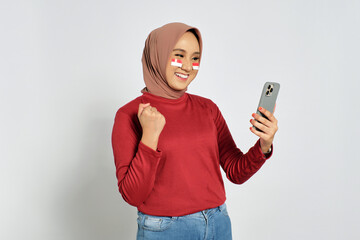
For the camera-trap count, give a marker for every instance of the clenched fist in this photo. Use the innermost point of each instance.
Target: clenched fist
(152, 123)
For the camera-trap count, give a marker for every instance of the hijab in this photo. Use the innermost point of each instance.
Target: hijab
(158, 47)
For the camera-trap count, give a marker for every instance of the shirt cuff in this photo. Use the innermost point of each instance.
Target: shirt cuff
(149, 150)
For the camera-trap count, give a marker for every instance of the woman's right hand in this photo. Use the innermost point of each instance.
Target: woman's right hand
(152, 123)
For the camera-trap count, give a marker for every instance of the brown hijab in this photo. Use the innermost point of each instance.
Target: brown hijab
(158, 46)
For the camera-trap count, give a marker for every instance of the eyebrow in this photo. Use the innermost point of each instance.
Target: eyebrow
(182, 50)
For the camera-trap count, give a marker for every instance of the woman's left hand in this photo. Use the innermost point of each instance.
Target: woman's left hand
(268, 126)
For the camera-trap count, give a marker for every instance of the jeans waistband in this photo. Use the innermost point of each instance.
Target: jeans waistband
(200, 214)
(205, 212)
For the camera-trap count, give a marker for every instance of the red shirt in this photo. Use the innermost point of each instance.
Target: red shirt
(183, 176)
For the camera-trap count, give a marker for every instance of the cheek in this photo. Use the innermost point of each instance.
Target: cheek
(193, 75)
(168, 69)
(169, 74)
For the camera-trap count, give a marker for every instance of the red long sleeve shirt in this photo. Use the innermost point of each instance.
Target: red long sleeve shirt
(183, 176)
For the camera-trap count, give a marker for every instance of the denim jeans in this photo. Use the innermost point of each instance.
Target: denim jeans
(213, 223)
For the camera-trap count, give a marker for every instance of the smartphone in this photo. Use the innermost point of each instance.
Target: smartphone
(268, 98)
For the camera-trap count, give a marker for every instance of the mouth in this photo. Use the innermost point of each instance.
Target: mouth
(181, 76)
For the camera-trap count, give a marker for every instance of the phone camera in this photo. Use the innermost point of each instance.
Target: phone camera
(269, 90)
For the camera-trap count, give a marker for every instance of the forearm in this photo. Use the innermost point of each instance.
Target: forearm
(150, 139)
(137, 179)
(240, 167)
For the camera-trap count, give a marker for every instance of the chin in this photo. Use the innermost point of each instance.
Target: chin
(178, 87)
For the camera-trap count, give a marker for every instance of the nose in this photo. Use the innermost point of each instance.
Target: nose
(186, 65)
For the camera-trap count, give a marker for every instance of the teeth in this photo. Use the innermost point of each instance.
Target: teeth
(181, 75)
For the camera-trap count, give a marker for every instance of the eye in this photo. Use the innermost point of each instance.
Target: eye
(196, 58)
(179, 55)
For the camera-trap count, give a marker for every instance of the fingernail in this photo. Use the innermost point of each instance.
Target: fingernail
(260, 108)
(253, 115)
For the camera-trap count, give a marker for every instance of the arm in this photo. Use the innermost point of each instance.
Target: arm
(239, 167)
(136, 163)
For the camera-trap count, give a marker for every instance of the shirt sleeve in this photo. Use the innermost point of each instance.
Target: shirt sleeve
(239, 167)
(136, 163)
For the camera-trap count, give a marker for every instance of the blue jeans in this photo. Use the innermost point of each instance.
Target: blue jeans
(213, 223)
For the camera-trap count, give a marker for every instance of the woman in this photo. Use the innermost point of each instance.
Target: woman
(169, 145)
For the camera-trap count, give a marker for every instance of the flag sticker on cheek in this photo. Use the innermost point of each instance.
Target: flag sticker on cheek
(176, 62)
(195, 66)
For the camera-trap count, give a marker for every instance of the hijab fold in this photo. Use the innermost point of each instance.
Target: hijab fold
(158, 47)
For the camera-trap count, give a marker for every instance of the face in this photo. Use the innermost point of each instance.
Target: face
(187, 50)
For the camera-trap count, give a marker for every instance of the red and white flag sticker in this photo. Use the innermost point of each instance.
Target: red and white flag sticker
(195, 66)
(176, 62)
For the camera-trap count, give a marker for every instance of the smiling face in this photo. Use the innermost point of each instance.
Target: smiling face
(187, 50)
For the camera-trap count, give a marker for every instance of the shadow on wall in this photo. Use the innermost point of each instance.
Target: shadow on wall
(90, 206)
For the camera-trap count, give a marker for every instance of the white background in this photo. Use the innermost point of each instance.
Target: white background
(67, 66)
